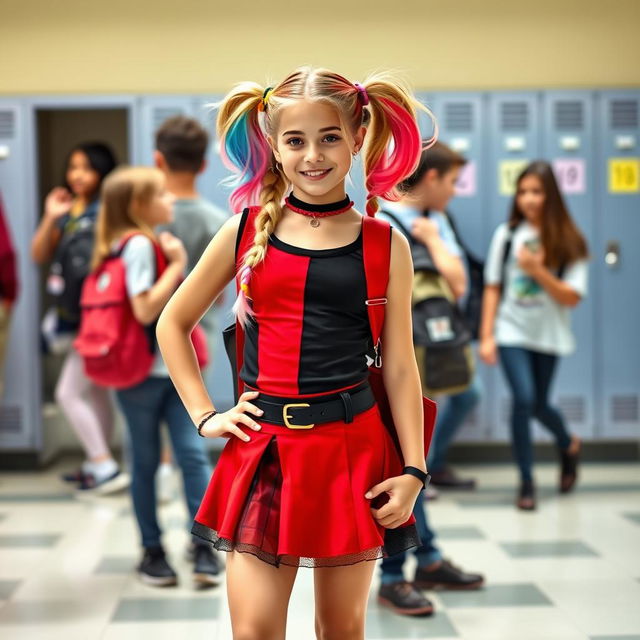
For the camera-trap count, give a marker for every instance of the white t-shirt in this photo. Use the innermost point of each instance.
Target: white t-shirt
(528, 316)
(140, 262)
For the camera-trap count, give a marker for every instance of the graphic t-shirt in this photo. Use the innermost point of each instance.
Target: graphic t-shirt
(528, 316)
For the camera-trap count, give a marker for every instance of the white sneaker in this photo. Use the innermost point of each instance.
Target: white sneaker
(114, 483)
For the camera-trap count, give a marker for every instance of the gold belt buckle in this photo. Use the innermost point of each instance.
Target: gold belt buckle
(286, 417)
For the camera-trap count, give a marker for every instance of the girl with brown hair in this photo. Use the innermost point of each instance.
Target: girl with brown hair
(536, 273)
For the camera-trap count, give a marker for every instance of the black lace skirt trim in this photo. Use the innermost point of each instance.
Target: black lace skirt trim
(395, 541)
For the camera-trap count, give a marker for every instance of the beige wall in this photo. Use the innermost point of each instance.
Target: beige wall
(176, 46)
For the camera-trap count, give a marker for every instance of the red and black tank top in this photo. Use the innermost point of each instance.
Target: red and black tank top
(310, 331)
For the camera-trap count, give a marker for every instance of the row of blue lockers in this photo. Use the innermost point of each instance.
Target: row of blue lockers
(591, 138)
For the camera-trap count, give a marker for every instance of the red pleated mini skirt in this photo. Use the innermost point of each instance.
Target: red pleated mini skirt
(296, 497)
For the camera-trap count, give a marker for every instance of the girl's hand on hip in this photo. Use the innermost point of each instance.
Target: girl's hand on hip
(403, 492)
(227, 424)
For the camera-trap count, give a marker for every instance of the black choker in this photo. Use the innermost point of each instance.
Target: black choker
(315, 211)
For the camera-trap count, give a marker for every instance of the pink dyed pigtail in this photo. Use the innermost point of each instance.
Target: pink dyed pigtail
(244, 148)
(393, 143)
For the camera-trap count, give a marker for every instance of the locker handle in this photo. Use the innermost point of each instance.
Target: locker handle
(612, 255)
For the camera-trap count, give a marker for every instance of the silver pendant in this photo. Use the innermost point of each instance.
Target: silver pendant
(315, 223)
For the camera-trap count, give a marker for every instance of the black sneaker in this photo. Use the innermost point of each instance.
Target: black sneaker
(447, 576)
(73, 477)
(447, 478)
(404, 598)
(155, 570)
(206, 567)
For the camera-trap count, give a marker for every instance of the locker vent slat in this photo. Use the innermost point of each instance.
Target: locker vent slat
(458, 116)
(505, 410)
(7, 124)
(624, 114)
(569, 115)
(473, 418)
(10, 420)
(625, 408)
(514, 116)
(572, 408)
(160, 114)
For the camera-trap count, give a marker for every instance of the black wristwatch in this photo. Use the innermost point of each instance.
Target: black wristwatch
(418, 473)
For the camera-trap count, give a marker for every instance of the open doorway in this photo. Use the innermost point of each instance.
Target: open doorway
(58, 131)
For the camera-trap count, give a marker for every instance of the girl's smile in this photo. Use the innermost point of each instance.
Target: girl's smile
(315, 150)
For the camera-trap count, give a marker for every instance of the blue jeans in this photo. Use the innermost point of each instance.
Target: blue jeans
(450, 418)
(144, 407)
(427, 553)
(529, 375)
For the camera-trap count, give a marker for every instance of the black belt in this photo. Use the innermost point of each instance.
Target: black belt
(305, 413)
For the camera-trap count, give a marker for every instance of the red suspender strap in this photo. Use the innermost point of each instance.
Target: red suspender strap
(244, 244)
(376, 251)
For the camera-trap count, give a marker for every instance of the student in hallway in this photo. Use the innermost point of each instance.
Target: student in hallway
(537, 271)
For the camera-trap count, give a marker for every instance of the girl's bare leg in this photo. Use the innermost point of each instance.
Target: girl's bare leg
(341, 600)
(258, 597)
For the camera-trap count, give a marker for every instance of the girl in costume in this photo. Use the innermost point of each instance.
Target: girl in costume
(309, 464)
(536, 272)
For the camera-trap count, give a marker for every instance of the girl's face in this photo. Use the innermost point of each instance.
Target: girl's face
(160, 208)
(314, 150)
(530, 198)
(82, 179)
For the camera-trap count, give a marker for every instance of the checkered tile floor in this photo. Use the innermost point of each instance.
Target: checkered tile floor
(570, 571)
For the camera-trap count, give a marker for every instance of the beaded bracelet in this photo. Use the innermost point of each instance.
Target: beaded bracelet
(204, 421)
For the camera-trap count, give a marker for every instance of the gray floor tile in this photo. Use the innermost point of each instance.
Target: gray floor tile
(117, 564)
(633, 517)
(632, 637)
(36, 497)
(551, 548)
(48, 612)
(7, 587)
(139, 610)
(497, 595)
(29, 540)
(460, 533)
(482, 502)
(381, 623)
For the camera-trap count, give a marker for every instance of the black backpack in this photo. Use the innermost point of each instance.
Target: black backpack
(71, 265)
(472, 310)
(441, 338)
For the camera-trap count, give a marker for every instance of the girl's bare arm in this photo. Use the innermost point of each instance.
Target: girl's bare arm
(215, 269)
(490, 301)
(400, 371)
(45, 240)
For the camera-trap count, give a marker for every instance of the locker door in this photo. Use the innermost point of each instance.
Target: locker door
(152, 112)
(568, 143)
(20, 416)
(616, 263)
(513, 136)
(460, 119)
